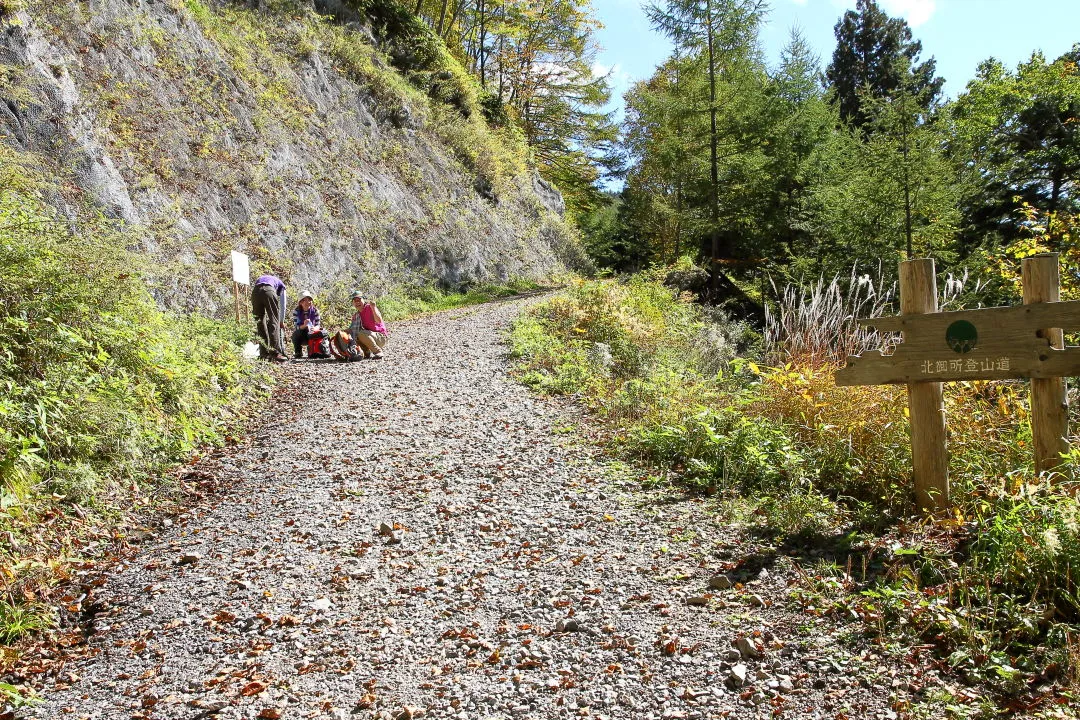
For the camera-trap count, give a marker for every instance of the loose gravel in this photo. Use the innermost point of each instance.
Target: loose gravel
(422, 537)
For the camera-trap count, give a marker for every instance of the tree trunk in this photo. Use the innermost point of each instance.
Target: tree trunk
(907, 177)
(482, 10)
(453, 18)
(442, 18)
(678, 219)
(502, 77)
(714, 171)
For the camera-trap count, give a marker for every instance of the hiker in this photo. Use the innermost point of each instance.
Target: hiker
(306, 317)
(267, 305)
(367, 326)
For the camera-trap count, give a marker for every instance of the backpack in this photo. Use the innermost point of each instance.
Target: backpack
(318, 346)
(343, 347)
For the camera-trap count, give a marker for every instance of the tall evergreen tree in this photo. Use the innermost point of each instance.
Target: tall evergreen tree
(1017, 137)
(875, 57)
(661, 137)
(801, 124)
(724, 34)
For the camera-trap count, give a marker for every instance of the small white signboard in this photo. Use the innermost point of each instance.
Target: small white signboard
(241, 273)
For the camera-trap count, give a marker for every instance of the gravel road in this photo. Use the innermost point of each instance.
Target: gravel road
(421, 536)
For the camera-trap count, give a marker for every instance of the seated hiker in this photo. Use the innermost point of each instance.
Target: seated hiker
(367, 326)
(343, 347)
(307, 321)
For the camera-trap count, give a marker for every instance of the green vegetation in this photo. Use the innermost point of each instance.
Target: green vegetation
(497, 57)
(772, 178)
(99, 389)
(759, 423)
(409, 301)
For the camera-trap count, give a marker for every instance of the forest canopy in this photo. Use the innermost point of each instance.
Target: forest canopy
(797, 171)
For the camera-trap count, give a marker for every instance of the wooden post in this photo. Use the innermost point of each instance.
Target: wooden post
(929, 458)
(236, 300)
(1049, 405)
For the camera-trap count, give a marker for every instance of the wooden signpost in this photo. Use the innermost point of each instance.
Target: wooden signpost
(241, 274)
(988, 344)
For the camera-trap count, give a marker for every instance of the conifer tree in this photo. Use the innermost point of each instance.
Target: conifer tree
(1016, 135)
(723, 33)
(875, 57)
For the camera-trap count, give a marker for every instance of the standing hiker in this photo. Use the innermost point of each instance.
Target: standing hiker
(267, 304)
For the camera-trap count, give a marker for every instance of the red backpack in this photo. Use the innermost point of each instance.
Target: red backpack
(318, 346)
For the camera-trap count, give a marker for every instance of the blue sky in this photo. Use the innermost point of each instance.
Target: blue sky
(959, 34)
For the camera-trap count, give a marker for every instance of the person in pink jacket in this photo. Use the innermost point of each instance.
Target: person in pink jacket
(367, 326)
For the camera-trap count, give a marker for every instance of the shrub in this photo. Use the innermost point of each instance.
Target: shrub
(99, 389)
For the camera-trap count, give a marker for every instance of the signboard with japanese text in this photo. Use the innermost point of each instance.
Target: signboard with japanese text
(923, 348)
(988, 344)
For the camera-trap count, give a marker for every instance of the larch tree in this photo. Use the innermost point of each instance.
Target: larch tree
(546, 61)
(724, 34)
(662, 142)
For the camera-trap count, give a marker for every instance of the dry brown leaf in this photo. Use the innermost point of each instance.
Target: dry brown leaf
(253, 688)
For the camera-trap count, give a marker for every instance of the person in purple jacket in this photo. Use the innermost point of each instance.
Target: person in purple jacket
(267, 304)
(306, 317)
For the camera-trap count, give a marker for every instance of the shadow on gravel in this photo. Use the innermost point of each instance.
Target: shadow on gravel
(845, 553)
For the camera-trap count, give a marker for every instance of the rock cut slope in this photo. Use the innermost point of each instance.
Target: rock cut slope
(419, 535)
(206, 126)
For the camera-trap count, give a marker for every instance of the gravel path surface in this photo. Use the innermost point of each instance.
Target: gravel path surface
(420, 536)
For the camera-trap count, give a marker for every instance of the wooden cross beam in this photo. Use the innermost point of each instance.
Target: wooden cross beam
(988, 344)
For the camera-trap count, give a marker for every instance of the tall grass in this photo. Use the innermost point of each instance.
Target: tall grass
(818, 324)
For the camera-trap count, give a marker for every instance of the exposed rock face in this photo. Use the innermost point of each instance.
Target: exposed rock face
(212, 127)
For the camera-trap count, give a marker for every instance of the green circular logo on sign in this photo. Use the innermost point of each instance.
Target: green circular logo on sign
(961, 336)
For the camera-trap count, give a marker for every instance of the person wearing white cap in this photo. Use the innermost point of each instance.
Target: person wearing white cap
(307, 318)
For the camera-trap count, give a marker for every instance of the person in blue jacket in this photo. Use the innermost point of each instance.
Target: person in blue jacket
(267, 305)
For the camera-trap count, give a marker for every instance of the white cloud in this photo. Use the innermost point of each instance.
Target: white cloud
(916, 12)
(617, 76)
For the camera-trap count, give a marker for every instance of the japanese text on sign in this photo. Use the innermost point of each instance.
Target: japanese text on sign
(965, 365)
